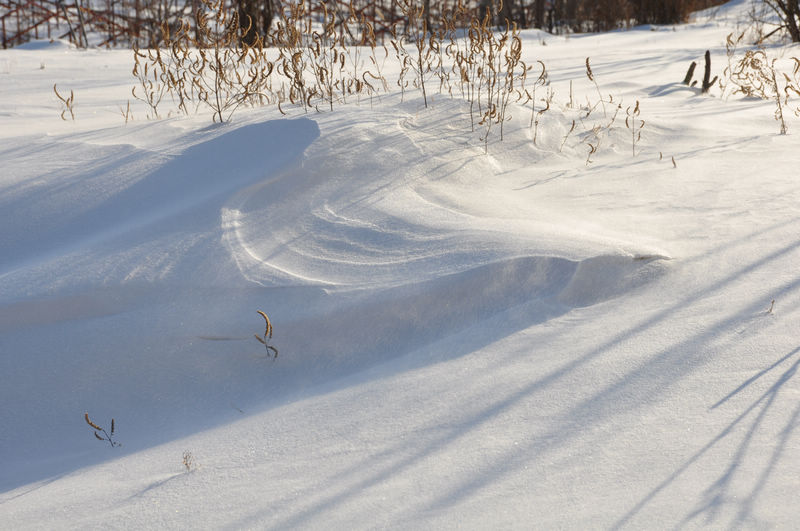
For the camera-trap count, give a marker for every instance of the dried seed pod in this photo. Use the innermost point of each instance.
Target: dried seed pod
(92, 424)
(268, 331)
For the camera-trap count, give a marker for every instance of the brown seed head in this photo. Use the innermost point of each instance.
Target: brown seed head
(90, 423)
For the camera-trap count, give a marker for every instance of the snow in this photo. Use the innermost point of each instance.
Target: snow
(515, 339)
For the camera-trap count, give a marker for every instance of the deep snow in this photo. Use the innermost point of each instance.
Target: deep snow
(511, 340)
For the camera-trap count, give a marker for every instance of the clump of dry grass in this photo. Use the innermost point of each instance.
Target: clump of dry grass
(228, 71)
(336, 59)
(490, 72)
(215, 68)
(224, 67)
(754, 76)
(423, 63)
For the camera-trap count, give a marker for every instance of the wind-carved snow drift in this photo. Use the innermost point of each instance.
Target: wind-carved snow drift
(400, 205)
(366, 239)
(397, 232)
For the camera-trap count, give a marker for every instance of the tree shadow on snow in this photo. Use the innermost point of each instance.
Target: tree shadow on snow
(641, 385)
(719, 494)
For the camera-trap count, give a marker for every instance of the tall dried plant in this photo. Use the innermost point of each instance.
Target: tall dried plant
(265, 338)
(100, 433)
(229, 72)
(792, 87)
(215, 67)
(591, 77)
(425, 44)
(502, 76)
(67, 103)
(635, 124)
(290, 38)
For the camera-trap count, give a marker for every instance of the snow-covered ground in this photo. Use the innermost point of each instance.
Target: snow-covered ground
(516, 339)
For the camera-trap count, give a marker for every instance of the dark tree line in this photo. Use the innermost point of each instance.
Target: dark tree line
(558, 16)
(143, 21)
(555, 16)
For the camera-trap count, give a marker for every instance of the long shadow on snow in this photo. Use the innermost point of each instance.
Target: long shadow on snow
(646, 381)
(514, 295)
(718, 493)
(203, 172)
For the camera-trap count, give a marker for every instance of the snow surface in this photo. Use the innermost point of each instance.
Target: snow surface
(511, 340)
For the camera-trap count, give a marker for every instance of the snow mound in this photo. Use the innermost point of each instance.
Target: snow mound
(92, 212)
(46, 44)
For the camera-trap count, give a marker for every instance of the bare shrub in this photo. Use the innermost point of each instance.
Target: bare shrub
(754, 76)
(788, 11)
(215, 68)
